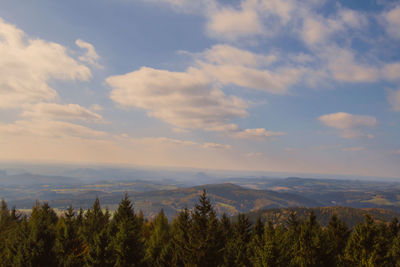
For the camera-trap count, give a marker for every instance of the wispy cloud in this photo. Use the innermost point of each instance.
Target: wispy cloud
(91, 55)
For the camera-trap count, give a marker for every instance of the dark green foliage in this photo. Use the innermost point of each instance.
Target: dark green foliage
(159, 248)
(181, 246)
(204, 233)
(69, 246)
(337, 235)
(236, 253)
(126, 230)
(194, 238)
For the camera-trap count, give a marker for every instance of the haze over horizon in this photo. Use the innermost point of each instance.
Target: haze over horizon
(253, 85)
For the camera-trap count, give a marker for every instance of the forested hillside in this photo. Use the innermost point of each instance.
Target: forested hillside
(351, 216)
(196, 237)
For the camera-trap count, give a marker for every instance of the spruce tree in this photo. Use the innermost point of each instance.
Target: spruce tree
(42, 235)
(159, 250)
(99, 252)
(204, 233)
(96, 237)
(69, 245)
(236, 252)
(181, 247)
(364, 247)
(257, 240)
(126, 229)
(337, 235)
(309, 248)
(267, 254)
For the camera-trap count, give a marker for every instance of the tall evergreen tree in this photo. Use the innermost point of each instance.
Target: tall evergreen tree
(95, 234)
(69, 246)
(204, 233)
(236, 252)
(42, 235)
(267, 254)
(309, 248)
(337, 235)
(364, 246)
(159, 249)
(126, 229)
(181, 246)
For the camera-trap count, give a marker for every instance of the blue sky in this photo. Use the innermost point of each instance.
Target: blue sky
(291, 86)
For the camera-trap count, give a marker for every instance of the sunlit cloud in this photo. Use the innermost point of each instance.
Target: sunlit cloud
(392, 22)
(53, 111)
(91, 55)
(27, 65)
(349, 125)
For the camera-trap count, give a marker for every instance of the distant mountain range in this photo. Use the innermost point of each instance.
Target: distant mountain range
(229, 195)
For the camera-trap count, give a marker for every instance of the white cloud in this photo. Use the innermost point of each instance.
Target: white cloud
(216, 146)
(394, 99)
(184, 99)
(176, 142)
(283, 9)
(275, 82)
(231, 24)
(27, 65)
(166, 140)
(258, 133)
(392, 21)
(391, 71)
(49, 128)
(226, 64)
(344, 67)
(349, 125)
(224, 54)
(317, 29)
(53, 111)
(91, 55)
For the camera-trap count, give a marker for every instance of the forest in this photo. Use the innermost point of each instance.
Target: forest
(195, 237)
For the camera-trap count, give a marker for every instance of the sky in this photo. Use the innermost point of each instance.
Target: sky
(307, 86)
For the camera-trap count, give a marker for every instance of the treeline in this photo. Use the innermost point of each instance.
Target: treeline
(196, 237)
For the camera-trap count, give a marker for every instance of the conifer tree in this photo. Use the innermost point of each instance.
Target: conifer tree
(126, 229)
(287, 239)
(93, 223)
(69, 246)
(181, 247)
(42, 235)
(95, 234)
(309, 248)
(236, 253)
(225, 229)
(204, 233)
(257, 240)
(364, 247)
(394, 252)
(18, 246)
(100, 253)
(5, 225)
(337, 235)
(267, 254)
(159, 250)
